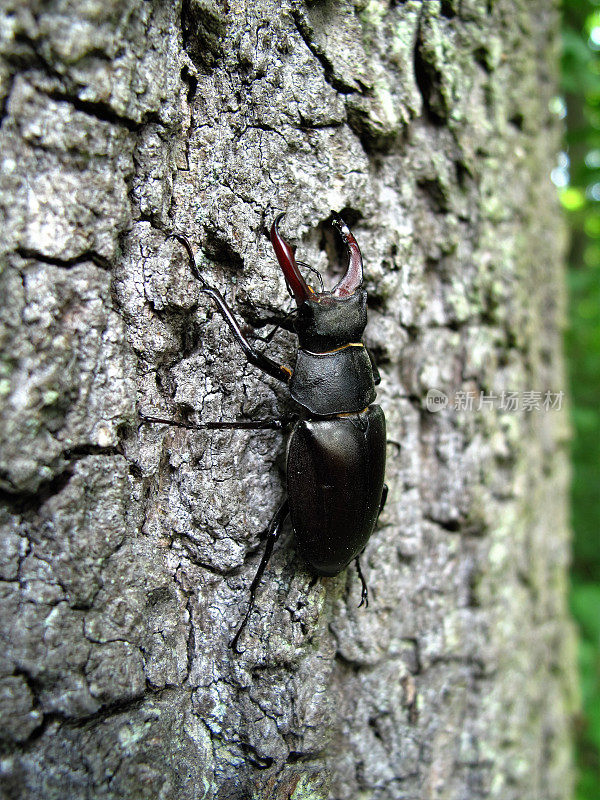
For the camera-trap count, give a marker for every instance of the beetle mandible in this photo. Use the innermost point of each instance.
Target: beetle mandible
(336, 449)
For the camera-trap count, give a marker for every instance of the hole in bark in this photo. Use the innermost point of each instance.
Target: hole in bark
(435, 193)
(404, 558)
(22, 502)
(136, 471)
(254, 758)
(481, 56)
(219, 249)
(203, 28)
(475, 578)
(295, 756)
(161, 594)
(428, 82)
(374, 726)
(448, 9)
(462, 174)
(192, 83)
(517, 120)
(164, 381)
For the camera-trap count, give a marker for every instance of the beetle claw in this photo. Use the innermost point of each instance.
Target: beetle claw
(353, 278)
(364, 594)
(287, 262)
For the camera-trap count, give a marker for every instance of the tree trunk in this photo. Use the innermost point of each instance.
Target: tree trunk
(128, 547)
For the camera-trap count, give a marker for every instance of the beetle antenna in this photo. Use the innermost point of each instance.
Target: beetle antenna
(313, 270)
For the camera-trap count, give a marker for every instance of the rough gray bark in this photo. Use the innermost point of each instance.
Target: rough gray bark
(127, 551)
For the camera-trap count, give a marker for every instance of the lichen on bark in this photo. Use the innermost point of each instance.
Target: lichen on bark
(127, 548)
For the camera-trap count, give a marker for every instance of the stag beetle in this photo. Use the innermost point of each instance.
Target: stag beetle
(336, 450)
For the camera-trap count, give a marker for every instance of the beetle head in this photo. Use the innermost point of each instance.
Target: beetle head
(326, 320)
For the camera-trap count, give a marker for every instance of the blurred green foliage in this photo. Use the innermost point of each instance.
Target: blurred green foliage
(578, 177)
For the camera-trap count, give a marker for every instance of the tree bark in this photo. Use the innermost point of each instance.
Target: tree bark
(128, 548)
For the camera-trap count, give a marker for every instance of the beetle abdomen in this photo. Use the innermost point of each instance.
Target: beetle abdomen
(335, 480)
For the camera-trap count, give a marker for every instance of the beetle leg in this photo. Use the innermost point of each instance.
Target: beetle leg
(273, 533)
(234, 424)
(283, 323)
(384, 495)
(364, 594)
(269, 337)
(253, 355)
